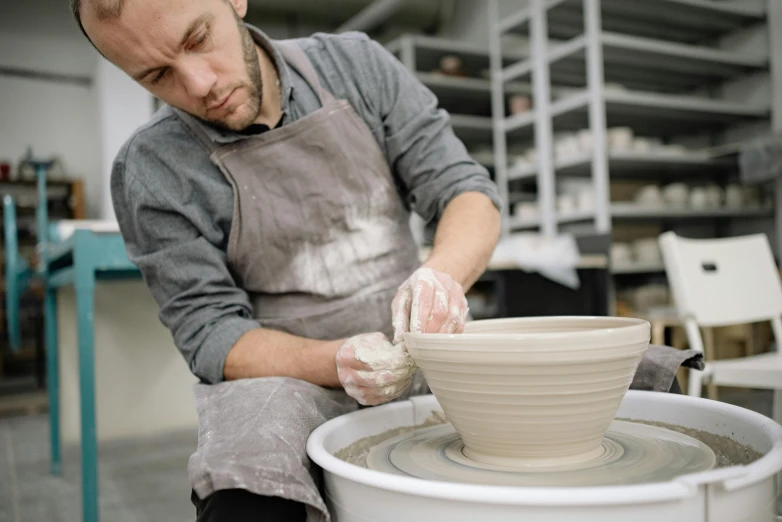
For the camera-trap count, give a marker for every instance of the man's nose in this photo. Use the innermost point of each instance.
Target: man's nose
(198, 78)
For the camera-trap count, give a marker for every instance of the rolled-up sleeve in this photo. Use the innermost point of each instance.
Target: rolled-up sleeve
(187, 275)
(422, 147)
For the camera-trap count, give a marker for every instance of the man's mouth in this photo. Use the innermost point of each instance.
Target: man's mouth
(222, 103)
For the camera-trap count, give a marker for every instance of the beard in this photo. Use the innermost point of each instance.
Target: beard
(253, 84)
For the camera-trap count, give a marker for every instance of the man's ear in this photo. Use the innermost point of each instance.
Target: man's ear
(240, 6)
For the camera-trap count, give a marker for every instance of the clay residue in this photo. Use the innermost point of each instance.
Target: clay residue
(728, 451)
(357, 452)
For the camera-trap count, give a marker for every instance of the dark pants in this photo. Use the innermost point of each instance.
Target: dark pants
(238, 505)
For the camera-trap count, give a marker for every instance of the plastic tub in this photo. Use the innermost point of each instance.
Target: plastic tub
(734, 494)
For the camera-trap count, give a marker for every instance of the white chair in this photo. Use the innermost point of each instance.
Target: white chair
(722, 282)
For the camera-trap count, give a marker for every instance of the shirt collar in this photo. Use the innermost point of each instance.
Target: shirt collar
(286, 88)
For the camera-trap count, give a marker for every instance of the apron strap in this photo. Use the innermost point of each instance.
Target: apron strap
(198, 130)
(295, 57)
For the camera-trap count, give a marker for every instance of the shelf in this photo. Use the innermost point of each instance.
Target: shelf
(523, 69)
(646, 113)
(470, 95)
(429, 50)
(637, 268)
(576, 217)
(455, 85)
(484, 158)
(517, 223)
(643, 63)
(522, 125)
(636, 165)
(688, 21)
(634, 211)
(472, 129)
(626, 211)
(650, 112)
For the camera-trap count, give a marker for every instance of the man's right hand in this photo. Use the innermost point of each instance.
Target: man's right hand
(373, 370)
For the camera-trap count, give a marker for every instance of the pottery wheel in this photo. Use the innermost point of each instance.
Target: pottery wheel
(633, 453)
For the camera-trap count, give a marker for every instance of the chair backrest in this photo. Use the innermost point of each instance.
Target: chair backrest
(724, 281)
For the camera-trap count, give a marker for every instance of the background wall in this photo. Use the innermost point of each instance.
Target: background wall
(56, 117)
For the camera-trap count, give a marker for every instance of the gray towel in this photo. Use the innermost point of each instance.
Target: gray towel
(660, 364)
(760, 160)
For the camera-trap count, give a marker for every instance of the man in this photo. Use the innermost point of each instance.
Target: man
(267, 207)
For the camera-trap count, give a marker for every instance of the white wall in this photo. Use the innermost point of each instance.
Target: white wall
(122, 106)
(54, 118)
(143, 386)
(82, 125)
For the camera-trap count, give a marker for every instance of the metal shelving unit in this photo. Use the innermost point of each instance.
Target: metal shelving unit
(629, 164)
(685, 21)
(648, 113)
(628, 211)
(644, 63)
(670, 61)
(467, 96)
(632, 211)
(637, 268)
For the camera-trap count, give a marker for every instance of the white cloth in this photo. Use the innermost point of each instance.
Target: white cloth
(555, 258)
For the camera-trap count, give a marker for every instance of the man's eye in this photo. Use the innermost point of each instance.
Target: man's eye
(200, 41)
(160, 75)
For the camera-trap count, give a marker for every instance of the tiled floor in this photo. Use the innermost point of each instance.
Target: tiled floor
(140, 480)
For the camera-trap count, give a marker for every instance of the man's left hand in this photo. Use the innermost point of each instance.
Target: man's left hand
(429, 301)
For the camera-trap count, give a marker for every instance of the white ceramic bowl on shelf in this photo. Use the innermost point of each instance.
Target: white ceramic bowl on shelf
(532, 391)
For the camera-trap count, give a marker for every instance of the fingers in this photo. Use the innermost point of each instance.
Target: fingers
(448, 306)
(377, 380)
(457, 310)
(346, 358)
(377, 396)
(427, 297)
(372, 369)
(400, 312)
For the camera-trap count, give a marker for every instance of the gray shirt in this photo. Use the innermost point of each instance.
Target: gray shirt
(174, 206)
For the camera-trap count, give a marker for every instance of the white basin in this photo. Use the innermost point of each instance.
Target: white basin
(733, 494)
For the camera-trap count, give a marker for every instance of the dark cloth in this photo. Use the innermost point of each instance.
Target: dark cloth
(238, 505)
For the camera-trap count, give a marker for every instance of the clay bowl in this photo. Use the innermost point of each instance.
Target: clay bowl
(532, 391)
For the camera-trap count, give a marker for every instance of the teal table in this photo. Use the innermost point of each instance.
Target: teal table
(81, 260)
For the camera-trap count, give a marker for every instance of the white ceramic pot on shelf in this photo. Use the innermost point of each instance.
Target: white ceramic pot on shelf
(676, 194)
(699, 198)
(647, 250)
(532, 391)
(621, 254)
(620, 138)
(734, 196)
(649, 196)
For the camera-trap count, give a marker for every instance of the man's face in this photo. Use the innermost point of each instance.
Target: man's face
(192, 54)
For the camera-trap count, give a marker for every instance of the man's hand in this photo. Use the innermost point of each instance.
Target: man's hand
(372, 370)
(429, 301)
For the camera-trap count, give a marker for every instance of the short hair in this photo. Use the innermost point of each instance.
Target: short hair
(104, 10)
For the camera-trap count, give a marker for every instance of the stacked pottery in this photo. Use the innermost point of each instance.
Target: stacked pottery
(532, 391)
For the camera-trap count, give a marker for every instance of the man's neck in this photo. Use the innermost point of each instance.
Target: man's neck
(271, 105)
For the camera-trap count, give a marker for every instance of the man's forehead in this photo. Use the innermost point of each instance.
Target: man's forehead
(163, 18)
(159, 23)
